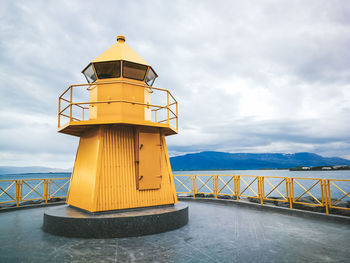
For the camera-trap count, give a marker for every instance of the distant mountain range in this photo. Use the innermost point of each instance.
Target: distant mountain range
(31, 169)
(218, 161)
(250, 161)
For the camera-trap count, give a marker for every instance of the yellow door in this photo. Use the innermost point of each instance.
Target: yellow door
(149, 161)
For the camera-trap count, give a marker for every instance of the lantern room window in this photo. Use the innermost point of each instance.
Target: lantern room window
(89, 74)
(151, 77)
(108, 70)
(134, 71)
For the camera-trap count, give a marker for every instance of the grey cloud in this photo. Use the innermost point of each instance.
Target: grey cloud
(249, 76)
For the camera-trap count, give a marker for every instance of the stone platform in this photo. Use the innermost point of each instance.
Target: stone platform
(72, 222)
(215, 233)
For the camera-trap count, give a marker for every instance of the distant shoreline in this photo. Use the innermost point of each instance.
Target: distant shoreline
(204, 170)
(321, 168)
(307, 169)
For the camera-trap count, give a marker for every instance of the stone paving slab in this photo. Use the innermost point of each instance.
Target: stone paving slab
(215, 233)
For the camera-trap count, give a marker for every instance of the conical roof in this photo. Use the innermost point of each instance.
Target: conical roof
(120, 51)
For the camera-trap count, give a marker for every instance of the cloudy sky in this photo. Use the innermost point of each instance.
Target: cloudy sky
(250, 76)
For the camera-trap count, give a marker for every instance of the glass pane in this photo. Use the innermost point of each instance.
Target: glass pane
(89, 74)
(151, 76)
(134, 71)
(107, 70)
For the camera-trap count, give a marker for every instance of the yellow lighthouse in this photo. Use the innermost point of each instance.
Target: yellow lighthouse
(122, 160)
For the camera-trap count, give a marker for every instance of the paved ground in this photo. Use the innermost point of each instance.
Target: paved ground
(215, 233)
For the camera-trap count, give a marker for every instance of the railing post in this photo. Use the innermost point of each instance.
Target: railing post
(238, 186)
(59, 112)
(325, 195)
(215, 185)
(70, 106)
(167, 107)
(49, 189)
(20, 190)
(155, 116)
(46, 181)
(17, 187)
(329, 196)
(194, 178)
(177, 117)
(291, 192)
(287, 190)
(260, 189)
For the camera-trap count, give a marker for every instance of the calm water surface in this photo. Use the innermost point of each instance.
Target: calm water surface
(284, 173)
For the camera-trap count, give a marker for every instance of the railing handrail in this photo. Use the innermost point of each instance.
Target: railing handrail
(117, 81)
(344, 180)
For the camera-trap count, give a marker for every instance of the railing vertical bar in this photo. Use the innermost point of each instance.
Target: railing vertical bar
(292, 189)
(325, 195)
(329, 194)
(322, 192)
(45, 189)
(195, 185)
(260, 179)
(17, 186)
(238, 182)
(59, 114)
(167, 107)
(71, 101)
(21, 190)
(289, 192)
(177, 117)
(49, 188)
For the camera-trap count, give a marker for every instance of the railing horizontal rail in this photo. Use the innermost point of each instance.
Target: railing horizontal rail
(65, 100)
(172, 118)
(64, 115)
(64, 93)
(60, 113)
(117, 101)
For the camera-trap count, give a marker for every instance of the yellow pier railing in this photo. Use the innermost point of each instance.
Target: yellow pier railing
(316, 192)
(24, 190)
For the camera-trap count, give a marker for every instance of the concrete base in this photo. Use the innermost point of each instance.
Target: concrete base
(71, 222)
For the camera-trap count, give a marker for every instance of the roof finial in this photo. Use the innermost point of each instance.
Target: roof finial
(120, 39)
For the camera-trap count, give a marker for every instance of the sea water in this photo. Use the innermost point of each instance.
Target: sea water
(339, 174)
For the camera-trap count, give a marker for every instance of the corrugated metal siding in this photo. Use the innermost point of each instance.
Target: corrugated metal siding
(116, 183)
(83, 179)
